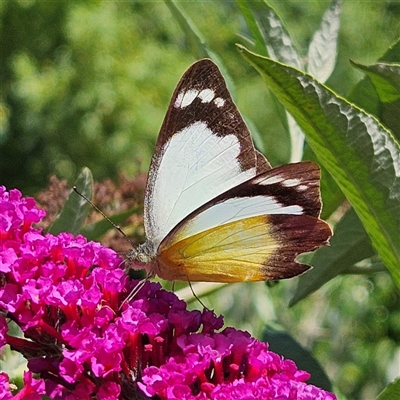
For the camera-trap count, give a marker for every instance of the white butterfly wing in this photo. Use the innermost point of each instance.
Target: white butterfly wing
(204, 149)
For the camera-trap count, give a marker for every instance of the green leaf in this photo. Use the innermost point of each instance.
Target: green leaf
(282, 343)
(391, 392)
(75, 209)
(255, 134)
(361, 155)
(296, 140)
(386, 79)
(265, 25)
(323, 47)
(254, 28)
(332, 196)
(349, 245)
(193, 35)
(365, 95)
(273, 40)
(367, 266)
(98, 229)
(392, 54)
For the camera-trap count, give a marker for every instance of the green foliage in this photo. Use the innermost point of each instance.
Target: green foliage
(76, 208)
(349, 245)
(358, 152)
(98, 229)
(391, 392)
(378, 91)
(362, 156)
(75, 91)
(282, 343)
(88, 83)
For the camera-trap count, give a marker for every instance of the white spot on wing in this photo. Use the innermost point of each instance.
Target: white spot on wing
(206, 95)
(294, 182)
(268, 181)
(185, 98)
(291, 182)
(219, 102)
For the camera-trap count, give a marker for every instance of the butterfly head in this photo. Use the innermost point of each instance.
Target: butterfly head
(141, 257)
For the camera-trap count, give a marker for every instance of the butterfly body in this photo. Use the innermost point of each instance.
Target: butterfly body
(215, 210)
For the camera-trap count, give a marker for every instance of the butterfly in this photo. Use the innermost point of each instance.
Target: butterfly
(214, 209)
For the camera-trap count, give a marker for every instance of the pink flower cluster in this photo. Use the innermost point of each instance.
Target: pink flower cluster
(83, 341)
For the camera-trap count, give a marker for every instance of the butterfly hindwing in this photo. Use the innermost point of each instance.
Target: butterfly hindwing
(251, 249)
(251, 232)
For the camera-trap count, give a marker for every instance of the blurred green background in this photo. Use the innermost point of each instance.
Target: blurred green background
(87, 83)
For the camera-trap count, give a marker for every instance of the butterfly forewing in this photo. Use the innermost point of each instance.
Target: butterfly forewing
(204, 148)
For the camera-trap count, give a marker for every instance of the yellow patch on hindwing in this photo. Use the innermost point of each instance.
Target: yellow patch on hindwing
(233, 252)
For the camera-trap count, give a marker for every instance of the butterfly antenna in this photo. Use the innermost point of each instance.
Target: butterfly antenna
(117, 227)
